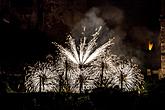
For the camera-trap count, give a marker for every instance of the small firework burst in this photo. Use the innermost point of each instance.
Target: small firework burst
(126, 75)
(102, 69)
(83, 79)
(42, 77)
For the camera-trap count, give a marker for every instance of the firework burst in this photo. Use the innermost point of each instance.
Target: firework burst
(79, 59)
(42, 77)
(85, 53)
(102, 68)
(126, 75)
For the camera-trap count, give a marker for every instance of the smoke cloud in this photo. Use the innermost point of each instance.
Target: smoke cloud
(129, 41)
(92, 21)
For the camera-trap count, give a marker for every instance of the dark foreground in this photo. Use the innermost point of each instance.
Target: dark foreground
(99, 99)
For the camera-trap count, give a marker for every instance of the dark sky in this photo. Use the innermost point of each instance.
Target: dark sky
(18, 46)
(142, 12)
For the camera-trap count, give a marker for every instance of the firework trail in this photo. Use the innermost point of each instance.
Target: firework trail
(84, 53)
(42, 77)
(79, 59)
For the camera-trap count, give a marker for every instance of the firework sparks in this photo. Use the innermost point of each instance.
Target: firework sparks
(66, 68)
(42, 77)
(79, 59)
(112, 71)
(85, 53)
(102, 68)
(127, 75)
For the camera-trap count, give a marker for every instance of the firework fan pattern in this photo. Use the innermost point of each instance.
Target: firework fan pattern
(80, 58)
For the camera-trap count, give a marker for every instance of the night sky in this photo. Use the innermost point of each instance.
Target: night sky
(27, 30)
(138, 12)
(19, 46)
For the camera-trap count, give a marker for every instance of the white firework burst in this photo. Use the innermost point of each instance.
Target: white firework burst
(102, 68)
(66, 69)
(42, 77)
(85, 53)
(126, 75)
(79, 59)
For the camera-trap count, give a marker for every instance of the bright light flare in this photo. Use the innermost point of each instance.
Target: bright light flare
(150, 45)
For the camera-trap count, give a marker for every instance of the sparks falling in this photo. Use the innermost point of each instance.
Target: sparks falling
(102, 68)
(42, 77)
(127, 76)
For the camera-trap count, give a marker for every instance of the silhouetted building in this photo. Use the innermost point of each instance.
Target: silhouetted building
(162, 39)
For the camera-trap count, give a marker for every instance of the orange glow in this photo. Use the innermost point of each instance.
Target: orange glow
(150, 45)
